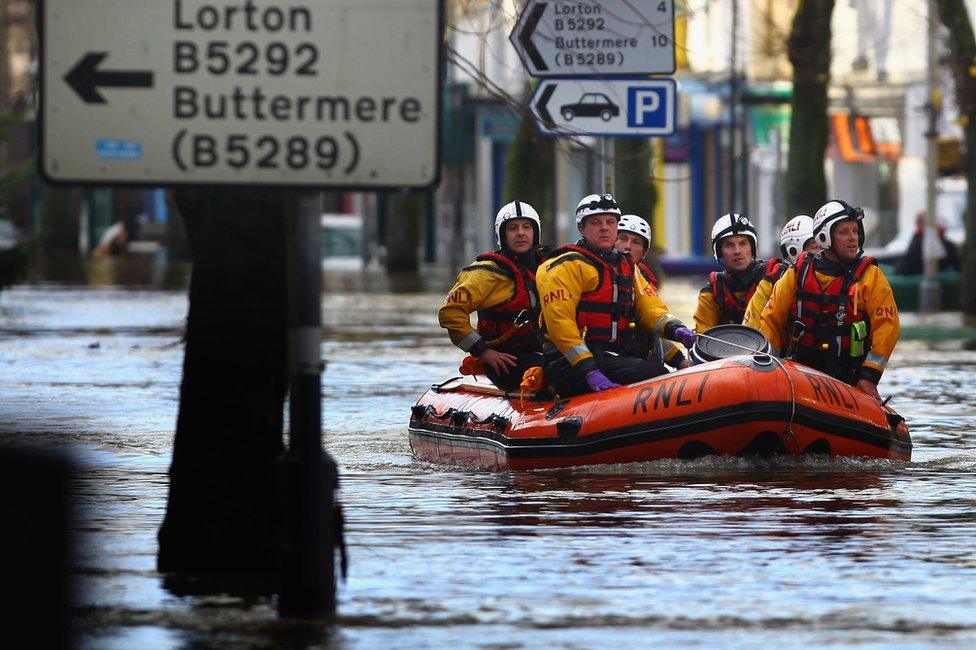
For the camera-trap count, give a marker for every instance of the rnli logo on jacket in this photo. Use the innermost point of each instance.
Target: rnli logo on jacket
(886, 311)
(559, 295)
(458, 297)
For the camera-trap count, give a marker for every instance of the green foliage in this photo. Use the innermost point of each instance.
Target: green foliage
(635, 190)
(530, 172)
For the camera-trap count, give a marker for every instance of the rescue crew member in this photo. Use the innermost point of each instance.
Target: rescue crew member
(500, 286)
(723, 300)
(634, 238)
(835, 311)
(797, 236)
(591, 299)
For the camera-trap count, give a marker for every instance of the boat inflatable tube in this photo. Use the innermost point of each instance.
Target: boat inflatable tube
(724, 341)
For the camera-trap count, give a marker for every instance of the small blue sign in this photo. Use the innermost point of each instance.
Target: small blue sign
(118, 149)
(647, 107)
(621, 108)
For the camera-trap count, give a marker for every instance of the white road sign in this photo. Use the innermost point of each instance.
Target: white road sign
(575, 38)
(618, 107)
(342, 93)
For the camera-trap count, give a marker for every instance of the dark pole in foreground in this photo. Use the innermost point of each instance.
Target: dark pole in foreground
(307, 475)
(733, 117)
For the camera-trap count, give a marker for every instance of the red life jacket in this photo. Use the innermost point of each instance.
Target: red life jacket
(607, 312)
(775, 269)
(645, 345)
(734, 309)
(828, 316)
(647, 273)
(496, 321)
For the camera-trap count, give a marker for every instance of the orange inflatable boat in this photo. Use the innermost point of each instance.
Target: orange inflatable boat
(751, 404)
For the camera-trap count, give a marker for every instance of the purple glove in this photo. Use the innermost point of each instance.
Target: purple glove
(598, 381)
(685, 337)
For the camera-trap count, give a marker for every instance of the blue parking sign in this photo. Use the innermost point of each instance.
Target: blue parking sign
(623, 108)
(647, 107)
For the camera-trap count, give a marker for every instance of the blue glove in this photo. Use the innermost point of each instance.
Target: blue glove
(598, 381)
(685, 337)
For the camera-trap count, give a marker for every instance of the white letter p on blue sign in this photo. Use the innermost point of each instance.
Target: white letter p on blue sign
(646, 107)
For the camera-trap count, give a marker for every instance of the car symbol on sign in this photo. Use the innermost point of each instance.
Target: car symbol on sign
(590, 105)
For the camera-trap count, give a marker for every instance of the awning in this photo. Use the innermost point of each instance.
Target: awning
(860, 139)
(887, 137)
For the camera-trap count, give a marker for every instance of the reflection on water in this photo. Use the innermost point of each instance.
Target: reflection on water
(714, 552)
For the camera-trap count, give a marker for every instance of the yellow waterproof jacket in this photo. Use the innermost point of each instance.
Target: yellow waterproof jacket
(562, 280)
(479, 286)
(757, 303)
(708, 313)
(874, 298)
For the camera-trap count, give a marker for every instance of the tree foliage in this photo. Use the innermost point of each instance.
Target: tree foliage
(530, 172)
(634, 188)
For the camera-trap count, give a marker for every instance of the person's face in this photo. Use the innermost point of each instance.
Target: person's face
(735, 252)
(631, 244)
(811, 246)
(600, 230)
(519, 235)
(844, 240)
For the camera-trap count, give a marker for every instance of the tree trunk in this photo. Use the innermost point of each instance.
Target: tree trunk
(809, 51)
(406, 210)
(962, 48)
(219, 518)
(60, 207)
(530, 173)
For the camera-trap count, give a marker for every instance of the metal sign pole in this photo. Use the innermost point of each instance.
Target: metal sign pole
(929, 289)
(307, 474)
(609, 171)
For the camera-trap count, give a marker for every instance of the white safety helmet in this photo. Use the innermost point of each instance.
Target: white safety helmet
(517, 210)
(596, 204)
(830, 214)
(729, 225)
(633, 223)
(796, 233)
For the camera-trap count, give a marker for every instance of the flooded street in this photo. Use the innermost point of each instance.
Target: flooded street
(718, 552)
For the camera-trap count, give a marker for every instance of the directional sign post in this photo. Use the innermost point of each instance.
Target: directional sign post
(571, 38)
(639, 107)
(313, 93)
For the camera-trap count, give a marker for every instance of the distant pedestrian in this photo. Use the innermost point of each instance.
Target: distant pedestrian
(928, 240)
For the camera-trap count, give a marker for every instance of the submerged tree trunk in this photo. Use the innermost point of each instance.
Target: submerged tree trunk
(405, 212)
(809, 51)
(962, 47)
(220, 513)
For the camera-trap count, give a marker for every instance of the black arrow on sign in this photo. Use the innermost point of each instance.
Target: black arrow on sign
(525, 36)
(85, 78)
(541, 105)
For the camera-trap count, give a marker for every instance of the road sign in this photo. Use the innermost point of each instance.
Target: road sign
(618, 107)
(341, 93)
(575, 38)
